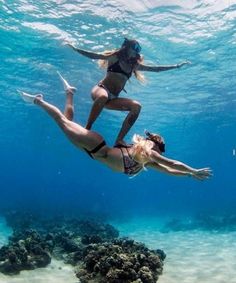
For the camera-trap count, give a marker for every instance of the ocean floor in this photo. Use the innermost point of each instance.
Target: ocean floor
(192, 256)
(56, 272)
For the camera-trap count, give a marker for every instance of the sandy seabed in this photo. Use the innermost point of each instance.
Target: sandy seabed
(56, 272)
(192, 256)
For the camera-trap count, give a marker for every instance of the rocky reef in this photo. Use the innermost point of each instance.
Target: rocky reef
(122, 260)
(92, 247)
(26, 251)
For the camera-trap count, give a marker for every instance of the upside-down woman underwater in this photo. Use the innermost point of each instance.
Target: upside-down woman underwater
(146, 152)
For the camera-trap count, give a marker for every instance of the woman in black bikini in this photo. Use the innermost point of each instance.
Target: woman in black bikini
(120, 64)
(144, 153)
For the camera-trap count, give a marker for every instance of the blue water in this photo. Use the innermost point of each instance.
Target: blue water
(194, 108)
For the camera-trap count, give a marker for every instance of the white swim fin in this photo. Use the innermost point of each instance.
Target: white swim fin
(67, 87)
(29, 97)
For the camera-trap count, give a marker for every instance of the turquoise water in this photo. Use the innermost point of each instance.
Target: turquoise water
(193, 107)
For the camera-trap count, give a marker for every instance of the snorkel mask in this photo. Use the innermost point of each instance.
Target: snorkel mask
(133, 44)
(157, 139)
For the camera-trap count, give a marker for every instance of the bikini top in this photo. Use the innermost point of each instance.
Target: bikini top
(131, 167)
(116, 68)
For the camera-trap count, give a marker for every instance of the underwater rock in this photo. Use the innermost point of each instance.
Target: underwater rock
(74, 258)
(97, 231)
(121, 260)
(94, 248)
(86, 239)
(24, 253)
(68, 245)
(161, 254)
(69, 227)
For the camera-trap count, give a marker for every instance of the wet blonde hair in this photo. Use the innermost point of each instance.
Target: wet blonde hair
(116, 52)
(142, 149)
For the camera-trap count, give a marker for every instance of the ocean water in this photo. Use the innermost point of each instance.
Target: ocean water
(194, 107)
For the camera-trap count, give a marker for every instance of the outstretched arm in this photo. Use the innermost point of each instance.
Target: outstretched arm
(89, 54)
(176, 167)
(168, 170)
(199, 175)
(142, 67)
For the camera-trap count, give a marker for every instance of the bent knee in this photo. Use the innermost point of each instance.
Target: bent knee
(136, 106)
(99, 94)
(70, 108)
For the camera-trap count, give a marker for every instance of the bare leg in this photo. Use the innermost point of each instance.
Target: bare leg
(78, 135)
(100, 98)
(70, 90)
(54, 112)
(73, 131)
(69, 107)
(127, 124)
(124, 104)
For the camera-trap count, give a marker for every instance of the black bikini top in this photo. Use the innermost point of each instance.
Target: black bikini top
(116, 68)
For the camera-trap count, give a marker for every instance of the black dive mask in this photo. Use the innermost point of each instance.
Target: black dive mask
(151, 137)
(162, 147)
(133, 44)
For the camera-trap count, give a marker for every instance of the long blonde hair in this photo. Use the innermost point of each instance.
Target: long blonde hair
(141, 149)
(104, 63)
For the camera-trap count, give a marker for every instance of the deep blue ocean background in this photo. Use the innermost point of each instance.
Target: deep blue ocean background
(194, 107)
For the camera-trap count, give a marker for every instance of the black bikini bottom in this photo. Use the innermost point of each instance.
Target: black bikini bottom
(96, 149)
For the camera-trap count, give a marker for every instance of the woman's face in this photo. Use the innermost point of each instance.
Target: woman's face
(131, 53)
(133, 50)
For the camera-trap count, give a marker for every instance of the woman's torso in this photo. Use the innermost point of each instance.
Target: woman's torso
(119, 159)
(111, 157)
(115, 80)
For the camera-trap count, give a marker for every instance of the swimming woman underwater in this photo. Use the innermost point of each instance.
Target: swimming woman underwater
(121, 64)
(146, 152)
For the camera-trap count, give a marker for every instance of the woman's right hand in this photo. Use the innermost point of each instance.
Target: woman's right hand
(202, 174)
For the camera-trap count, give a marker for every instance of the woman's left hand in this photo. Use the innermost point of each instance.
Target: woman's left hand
(202, 174)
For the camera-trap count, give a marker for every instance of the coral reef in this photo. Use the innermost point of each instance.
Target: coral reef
(92, 247)
(122, 260)
(25, 251)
